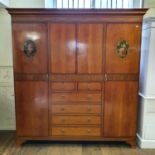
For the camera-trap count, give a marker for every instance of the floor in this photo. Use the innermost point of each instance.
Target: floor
(7, 147)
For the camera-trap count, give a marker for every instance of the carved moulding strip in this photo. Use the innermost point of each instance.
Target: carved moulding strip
(95, 77)
(31, 77)
(76, 77)
(122, 77)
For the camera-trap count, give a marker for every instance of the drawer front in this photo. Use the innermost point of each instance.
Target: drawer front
(76, 109)
(76, 97)
(83, 120)
(63, 86)
(76, 131)
(89, 86)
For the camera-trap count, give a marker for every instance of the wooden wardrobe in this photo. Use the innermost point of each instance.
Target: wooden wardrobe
(76, 73)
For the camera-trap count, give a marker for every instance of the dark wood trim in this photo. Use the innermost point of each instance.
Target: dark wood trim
(77, 19)
(122, 77)
(77, 77)
(74, 77)
(31, 77)
(94, 77)
(38, 11)
(77, 15)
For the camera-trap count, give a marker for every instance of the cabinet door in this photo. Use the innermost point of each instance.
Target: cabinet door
(120, 57)
(30, 48)
(31, 108)
(89, 44)
(63, 48)
(120, 110)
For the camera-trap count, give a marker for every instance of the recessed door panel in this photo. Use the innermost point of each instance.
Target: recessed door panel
(62, 48)
(30, 48)
(89, 44)
(31, 108)
(120, 109)
(123, 48)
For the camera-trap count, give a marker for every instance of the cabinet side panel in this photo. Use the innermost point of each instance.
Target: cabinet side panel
(31, 108)
(120, 113)
(118, 59)
(30, 48)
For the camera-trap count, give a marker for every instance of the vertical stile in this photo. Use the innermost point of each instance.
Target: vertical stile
(116, 3)
(100, 3)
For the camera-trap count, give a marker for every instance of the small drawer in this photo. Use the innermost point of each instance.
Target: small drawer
(76, 131)
(76, 97)
(89, 86)
(63, 86)
(76, 120)
(76, 109)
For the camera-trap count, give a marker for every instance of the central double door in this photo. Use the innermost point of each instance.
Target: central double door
(76, 48)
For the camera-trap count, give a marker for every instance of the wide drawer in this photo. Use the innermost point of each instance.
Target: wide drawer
(76, 131)
(83, 120)
(63, 86)
(89, 86)
(76, 109)
(76, 97)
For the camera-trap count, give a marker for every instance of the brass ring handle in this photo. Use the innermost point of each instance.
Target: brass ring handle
(122, 48)
(88, 130)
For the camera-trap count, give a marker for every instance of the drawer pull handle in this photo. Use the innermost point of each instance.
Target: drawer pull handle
(62, 97)
(89, 98)
(89, 109)
(88, 120)
(62, 109)
(88, 131)
(62, 131)
(62, 86)
(62, 120)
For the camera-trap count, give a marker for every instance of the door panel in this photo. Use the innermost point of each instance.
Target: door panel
(30, 59)
(31, 108)
(63, 48)
(120, 109)
(89, 44)
(129, 33)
